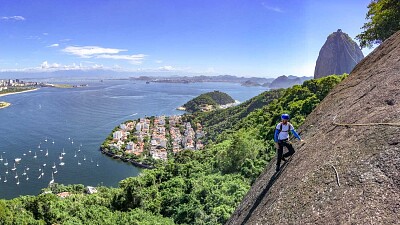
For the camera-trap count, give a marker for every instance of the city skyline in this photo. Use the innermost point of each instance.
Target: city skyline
(243, 38)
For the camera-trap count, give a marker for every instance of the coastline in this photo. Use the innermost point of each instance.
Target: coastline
(18, 92)
(4, 105)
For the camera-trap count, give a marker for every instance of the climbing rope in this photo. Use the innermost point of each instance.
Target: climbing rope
(366, 124)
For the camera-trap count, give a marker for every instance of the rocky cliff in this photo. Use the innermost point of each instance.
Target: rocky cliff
(342, 173)
(340, 54)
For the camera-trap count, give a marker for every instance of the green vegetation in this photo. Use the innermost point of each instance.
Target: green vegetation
(15, 89)
(210, 99)
(194, 187)
(383, 20)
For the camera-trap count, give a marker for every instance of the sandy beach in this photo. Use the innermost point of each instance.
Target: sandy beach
(4, 105)
(12, 93)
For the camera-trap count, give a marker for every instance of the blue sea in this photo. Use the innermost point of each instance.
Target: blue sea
(77, 121)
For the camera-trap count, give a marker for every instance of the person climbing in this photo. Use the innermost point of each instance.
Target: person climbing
(281, 139)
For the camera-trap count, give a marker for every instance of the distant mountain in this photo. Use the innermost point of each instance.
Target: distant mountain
(340, 54)
(287, 81)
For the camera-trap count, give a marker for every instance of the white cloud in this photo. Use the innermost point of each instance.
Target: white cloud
(159, 61)
(45, 34)
(13, 18)
(90, 51)
(167, 68)
(103, 53)
(271, 8)
(134, 59)
(46, 66)
(53, 45)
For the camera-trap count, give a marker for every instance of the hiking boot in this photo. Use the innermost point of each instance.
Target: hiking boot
(284, 159)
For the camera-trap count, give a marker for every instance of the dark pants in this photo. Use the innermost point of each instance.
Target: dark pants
(291, 151)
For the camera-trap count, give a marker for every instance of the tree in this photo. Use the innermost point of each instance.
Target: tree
(383, 20)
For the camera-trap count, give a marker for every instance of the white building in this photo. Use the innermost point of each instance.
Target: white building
(117, 135)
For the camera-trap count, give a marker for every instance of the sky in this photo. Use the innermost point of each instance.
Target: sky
(264, 38)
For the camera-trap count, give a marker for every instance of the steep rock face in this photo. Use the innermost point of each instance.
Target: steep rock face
(366, 158)
(340, 54)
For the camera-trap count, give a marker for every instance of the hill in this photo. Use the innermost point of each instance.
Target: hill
(340, 54)
(208, 101)
(347, 171)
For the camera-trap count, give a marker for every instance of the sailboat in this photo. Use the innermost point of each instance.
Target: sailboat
(44, 164)
(35, 156)
(54, 166)
(79, 163)
(84, 157)
(47, 152)
(6, 163)
(38, 146)
(5, 180)
(27, 178)
(52, 179)
(56, 171)
(53, 142)
(61, 163)
(27, 168)
(24, 173)
(17, 181)
(17, 160)
(79, 149)
(40, 176)
(60, 157)
(29, 151)
(91, 160)
(75, 154)
(80, 145)
(1, 158)
(14, 168)
(72, 141)
(16, 175)
(24, 154)
(97, 164)
(7, 171)
(63, 153)
(45, 139)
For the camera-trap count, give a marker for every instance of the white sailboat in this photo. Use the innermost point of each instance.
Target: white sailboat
(79, 163)
(35, 156)
(45, 139)
(54, 166)
(29, 151)
(91, 160)
(40, 176)
(5, 180)
(16, 175)
(24, 154)
(27, 168)
(6, 163)
(63, 152)
(27, 178)
(75, 154)
(97, 164)
(1, 158)
(14, 168)
(17, 160)
(52, 179)
(47, 152)
(53, 142)
(7, 171)
(72, 141)
(44, 164)
(56, 171)
(61, 163)
(17, 181)
(24, 173)
(60, 157)
(84, 157)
